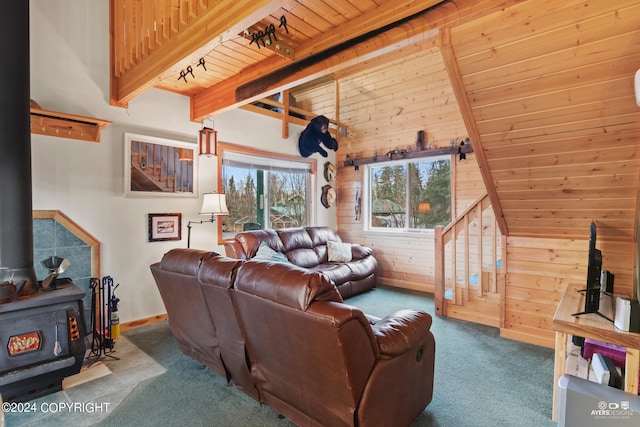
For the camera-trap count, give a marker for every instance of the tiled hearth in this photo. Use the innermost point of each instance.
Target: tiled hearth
(87, 403)
(51, 237)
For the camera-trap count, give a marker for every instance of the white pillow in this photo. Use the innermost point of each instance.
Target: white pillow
(338, 252)
(265, 253)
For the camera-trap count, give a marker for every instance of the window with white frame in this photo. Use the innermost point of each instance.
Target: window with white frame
(264, 192)
(409, 194)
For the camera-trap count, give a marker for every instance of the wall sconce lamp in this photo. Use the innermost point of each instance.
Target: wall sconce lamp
(208, 139)
(212, 204)
(424, 207)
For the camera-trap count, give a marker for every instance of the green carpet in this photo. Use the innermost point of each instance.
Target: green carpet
(480, 378)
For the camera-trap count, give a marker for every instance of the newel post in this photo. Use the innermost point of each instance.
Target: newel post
(439, 272)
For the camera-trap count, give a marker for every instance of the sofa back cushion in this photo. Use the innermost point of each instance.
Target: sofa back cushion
(309, 351)
(250, 241)
(286, 284)
(303, 246)
(176, 278)
(216, 277)
(320, 236)
(298, 247)
(185, 261)
(219, 271)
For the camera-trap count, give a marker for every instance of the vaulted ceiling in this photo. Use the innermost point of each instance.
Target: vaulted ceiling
(545, 88)
(224, 53)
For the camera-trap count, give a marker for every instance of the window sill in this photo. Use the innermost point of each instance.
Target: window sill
(400, 233)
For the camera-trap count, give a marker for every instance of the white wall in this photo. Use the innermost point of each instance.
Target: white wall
(70, 73)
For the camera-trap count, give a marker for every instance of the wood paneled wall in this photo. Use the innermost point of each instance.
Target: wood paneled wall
(546, 87)
(538, 273)
(383, 108)
(318, 96)
(550, 92)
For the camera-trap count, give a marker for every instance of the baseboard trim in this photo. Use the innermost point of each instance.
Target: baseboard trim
(527, 337)
(414, 286)
(143, 322)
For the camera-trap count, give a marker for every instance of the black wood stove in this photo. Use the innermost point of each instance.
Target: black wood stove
(42, 341)
(42, 333)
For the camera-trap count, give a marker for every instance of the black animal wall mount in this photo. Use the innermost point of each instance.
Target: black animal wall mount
(315, 134)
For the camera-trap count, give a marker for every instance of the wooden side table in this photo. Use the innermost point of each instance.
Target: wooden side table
(595, 327)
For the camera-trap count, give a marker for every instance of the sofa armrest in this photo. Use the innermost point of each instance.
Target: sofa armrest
(406, 364)
(233, 249)
(359, 251)
(372, 319)
(401, 331)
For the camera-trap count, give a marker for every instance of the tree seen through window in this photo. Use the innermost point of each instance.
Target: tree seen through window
(410, 194)
(261, 199)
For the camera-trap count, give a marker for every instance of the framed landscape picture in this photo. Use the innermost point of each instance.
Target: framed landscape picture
(159, 167)
(165, 226)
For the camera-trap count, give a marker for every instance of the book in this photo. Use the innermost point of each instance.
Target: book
(605, 371)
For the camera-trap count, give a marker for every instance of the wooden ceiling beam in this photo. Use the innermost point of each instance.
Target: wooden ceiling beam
(378, 17)
(218, 98)
(223, 21)
(412, 36)
(469, 121)
(419, 34)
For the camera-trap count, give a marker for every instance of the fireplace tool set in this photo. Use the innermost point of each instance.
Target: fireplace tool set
(105, 327)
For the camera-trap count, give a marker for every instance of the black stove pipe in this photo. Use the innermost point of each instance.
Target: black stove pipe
(16, 223)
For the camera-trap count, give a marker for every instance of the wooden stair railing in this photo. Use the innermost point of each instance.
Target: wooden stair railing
(162, 166)
(469, 249)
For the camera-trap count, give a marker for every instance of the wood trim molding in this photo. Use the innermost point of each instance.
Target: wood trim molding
(77, 231)
(451, 65)
(126, 326)
(222, 146)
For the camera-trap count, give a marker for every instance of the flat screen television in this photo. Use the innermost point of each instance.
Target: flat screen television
(594, 270)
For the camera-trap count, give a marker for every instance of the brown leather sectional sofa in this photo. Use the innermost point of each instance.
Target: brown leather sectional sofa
(307, 247)
(284, 336)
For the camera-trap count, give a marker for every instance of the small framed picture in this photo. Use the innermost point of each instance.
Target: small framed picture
(165, 226)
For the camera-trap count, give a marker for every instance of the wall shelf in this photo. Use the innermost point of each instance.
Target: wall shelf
(52, 123)
(410, 154)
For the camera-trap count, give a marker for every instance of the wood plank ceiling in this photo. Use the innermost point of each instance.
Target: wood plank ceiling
(177, 36)
(550, 99)
(545, 87)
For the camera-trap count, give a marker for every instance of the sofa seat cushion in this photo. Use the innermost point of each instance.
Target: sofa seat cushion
(338, 272)
(362, 268)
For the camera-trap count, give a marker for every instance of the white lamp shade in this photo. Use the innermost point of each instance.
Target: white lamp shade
(214, 204)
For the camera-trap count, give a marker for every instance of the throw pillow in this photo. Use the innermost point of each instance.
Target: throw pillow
(338, 252)
(265, 253)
